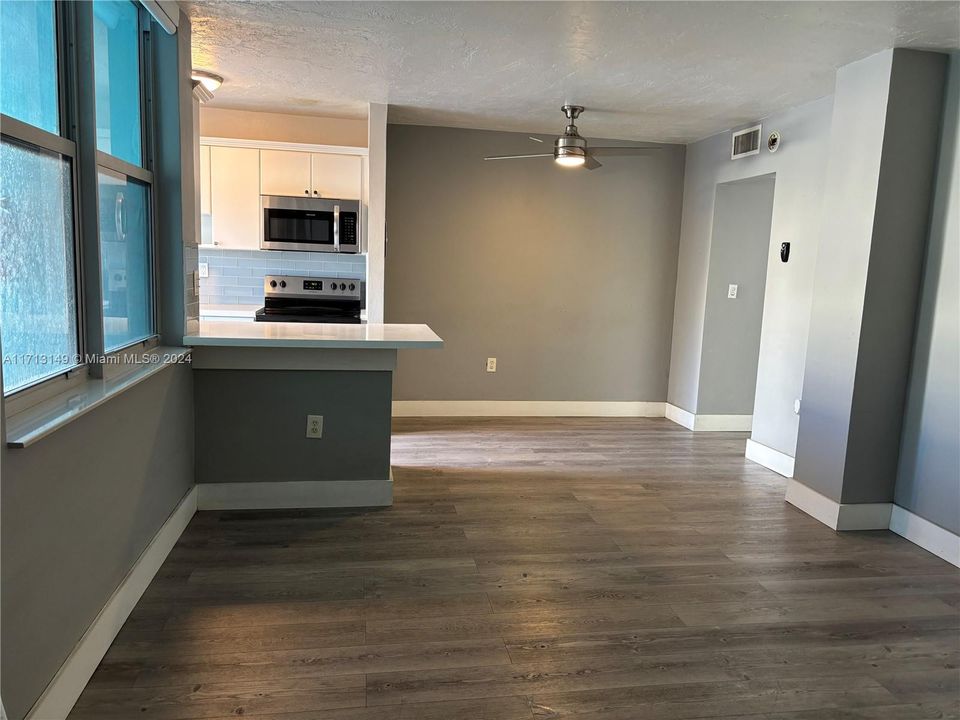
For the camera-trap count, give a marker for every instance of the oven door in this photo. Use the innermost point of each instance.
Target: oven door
(299, 224)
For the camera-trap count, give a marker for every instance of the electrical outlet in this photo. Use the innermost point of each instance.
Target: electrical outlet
(204, 270)
(491, 364)
(732, 291)
(314, 426)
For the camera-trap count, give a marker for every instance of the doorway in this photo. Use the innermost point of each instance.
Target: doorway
(736, 282)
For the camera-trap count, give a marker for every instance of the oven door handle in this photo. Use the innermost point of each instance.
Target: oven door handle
(336, 228)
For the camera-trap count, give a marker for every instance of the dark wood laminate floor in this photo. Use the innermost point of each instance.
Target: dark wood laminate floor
(610, 569)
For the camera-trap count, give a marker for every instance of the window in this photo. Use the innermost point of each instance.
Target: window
(28, 42)
(61, 120)
(116, 60)
(38, 310)
(124, 260)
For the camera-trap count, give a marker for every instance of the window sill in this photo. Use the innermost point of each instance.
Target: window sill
(35, 423)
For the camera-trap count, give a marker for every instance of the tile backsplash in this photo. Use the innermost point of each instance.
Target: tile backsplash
(236, 276)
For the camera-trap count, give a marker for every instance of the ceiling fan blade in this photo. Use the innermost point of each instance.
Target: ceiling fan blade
(535, 139)
(517, 157)
(624, 150)
(591, 163)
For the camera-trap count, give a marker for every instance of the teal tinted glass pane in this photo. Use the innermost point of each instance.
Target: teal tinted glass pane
(28, 63)
(38, 310)
(116, 58)
(124, 260)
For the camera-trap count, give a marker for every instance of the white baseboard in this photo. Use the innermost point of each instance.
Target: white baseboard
(768, 457)
(723, 423)
(525, 408)
(60, 695)
(299, 494)
(813, 503)
(708, 423)
(838, 516)
(680, 416)
(932, 538)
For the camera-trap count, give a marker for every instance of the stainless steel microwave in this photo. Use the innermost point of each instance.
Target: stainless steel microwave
(311, 224)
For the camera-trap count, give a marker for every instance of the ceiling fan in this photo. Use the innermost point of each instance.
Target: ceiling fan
(571, 150)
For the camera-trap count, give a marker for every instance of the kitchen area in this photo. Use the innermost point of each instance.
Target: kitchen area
(281, 230)
(292, 383)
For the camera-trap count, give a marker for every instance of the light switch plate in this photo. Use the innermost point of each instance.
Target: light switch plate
(732, 291)
(204, 270)
(491, 364)
(314, 426)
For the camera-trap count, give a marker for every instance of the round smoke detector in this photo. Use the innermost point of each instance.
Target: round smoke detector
(773, 141)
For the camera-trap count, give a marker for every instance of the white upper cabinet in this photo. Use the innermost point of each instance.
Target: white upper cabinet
(285, 172)
(235, 197)
(335, 176)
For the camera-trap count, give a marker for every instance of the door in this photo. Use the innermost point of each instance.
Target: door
(284, 172)
(235, 197)
(336, 176)
(206, 228)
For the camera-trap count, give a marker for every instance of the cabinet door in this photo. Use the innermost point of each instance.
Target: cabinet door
(336, 176)
(283, 172)
(206, 229)
(235, 197)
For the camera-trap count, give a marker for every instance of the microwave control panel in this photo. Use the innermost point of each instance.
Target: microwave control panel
(348, 228)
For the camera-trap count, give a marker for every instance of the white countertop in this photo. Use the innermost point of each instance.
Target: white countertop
(375, 336)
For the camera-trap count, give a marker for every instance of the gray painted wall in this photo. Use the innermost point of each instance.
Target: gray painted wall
(79, 507)
(251, 425)
(883, 142)
(731, 331)
(566, 276)
(928, 482)
(799, 165)
(76, 510)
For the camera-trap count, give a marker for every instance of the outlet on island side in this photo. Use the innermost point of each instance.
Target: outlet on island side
(314, 426)
(491, 364)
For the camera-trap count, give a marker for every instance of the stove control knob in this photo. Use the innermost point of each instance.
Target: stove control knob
(283, 283)
(273, 283)
(352, 287)
(343, 286)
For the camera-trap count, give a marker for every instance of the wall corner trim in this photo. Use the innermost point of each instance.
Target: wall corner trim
(931, 537)
(768, 457)
(295, 494)
(60, 695)
(526, 408)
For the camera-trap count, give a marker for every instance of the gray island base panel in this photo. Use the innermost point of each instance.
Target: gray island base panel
(254, 389)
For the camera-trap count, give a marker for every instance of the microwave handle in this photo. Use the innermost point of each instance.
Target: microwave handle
(336, 227)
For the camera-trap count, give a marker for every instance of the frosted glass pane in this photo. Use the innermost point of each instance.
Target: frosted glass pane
(124, 260)
(38, 312)
(116, 67)
(28, 58)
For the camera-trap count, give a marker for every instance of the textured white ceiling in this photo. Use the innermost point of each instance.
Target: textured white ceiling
(664, 71)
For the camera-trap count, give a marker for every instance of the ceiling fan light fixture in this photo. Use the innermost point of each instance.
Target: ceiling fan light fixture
(210, 81)
(570, 156)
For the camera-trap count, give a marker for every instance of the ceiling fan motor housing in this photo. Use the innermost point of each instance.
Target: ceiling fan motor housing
(570, 145)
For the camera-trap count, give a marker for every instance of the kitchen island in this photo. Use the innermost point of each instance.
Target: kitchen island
(264, 391)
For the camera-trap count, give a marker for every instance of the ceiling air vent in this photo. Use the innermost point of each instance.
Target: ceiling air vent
(745, 142)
